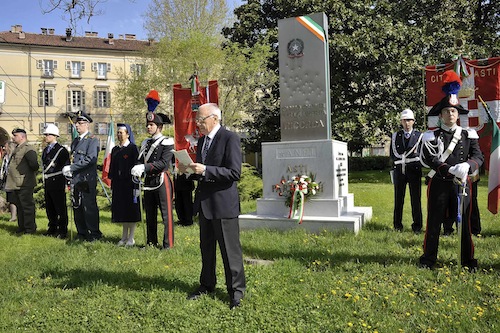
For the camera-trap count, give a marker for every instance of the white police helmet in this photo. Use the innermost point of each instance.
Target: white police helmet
(51, 129)
(407, 114)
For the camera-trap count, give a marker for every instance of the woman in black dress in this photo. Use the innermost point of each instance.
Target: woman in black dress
(125, 207)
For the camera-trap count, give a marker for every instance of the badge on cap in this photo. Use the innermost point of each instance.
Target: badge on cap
(150, 116)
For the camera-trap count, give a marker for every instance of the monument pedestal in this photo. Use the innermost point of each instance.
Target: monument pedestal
(331, 208)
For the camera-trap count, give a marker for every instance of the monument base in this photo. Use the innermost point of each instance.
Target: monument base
(351, 221)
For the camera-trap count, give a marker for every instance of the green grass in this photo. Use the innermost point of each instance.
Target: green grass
(327, 282)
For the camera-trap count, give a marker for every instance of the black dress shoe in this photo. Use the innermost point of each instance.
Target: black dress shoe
(197, 294)
(234, 304)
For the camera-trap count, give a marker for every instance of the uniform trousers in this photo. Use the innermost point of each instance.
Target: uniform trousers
(440, 192)
(160, 198)
(87, 214)
(25, 203)
(225, 232)
(414, 180)
(57, 210)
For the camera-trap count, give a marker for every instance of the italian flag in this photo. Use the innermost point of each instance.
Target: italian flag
(494, 170)
(110, 143)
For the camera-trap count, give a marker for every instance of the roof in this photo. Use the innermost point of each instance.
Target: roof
(30, 39)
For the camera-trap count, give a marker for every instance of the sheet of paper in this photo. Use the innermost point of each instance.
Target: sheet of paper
(183, 157)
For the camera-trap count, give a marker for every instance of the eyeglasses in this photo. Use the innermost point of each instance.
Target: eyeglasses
(201, 120)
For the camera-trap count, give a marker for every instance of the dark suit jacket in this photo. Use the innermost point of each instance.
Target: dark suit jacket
(57, 181)
(217, 192)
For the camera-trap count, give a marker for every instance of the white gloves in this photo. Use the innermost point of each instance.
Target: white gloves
(66, 170)
(137, 170)
(460, 171)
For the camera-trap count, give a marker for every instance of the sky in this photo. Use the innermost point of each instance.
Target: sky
(120, 17)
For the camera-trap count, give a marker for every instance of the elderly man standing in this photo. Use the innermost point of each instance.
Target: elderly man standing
(218, 169)
(21, 181)
(83, 174)
(453, 154)
(407, 170)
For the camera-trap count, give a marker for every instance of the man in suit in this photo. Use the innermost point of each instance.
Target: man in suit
(217, 169)
(83, 174)
(407, 170)
(155, 158)
(453, 154)
(21, 181)
(54, 158)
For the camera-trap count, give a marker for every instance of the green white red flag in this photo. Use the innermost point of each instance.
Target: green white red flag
(494, 170)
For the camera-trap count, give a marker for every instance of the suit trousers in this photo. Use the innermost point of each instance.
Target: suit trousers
(226, 232)
(87, 214)
(25, 203)
(160, 198)
(440, 194)
(57, 210)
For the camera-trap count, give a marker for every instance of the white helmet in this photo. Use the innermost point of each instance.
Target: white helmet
(407, 114)
(51, 129)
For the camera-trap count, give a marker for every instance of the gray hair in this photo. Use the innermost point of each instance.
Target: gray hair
(214, 108)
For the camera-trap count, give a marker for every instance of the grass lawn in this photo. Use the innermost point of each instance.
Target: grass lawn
(327, 282)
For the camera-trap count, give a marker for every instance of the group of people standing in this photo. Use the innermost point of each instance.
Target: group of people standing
(454, 157)
(132, 170)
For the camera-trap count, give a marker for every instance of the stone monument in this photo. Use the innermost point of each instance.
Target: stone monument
(306, 147)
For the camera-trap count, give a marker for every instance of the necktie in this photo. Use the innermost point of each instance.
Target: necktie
(49, 148)
(206, 145)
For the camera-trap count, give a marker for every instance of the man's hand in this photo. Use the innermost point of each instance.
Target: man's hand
(197, 168)
(66, 170)
(460, 171)
(137, 170)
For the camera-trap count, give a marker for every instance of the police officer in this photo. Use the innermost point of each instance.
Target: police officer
(54, 158)
(83, 173)
(155, 158)
(407, 170)
(453, 154)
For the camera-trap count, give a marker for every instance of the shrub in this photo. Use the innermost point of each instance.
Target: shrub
(250, 184)
(369, 163)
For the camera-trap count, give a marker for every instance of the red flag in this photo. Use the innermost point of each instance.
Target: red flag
(110, 143)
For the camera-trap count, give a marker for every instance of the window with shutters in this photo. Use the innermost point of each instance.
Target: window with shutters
(102, 69)
(137, 69)
(102, 99)
(46, 97)
(75, 68)
(75, 100)
(47, 67)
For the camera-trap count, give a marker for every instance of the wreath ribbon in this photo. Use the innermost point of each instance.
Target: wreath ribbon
(297, 205)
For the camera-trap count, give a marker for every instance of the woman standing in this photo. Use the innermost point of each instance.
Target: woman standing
(125, 207)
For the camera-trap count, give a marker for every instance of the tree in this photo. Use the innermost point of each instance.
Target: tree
(196, 44)
(377, 53)
(73, 10)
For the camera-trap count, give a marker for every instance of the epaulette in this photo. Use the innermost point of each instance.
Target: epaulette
(472, 134)
(167, 142)
(428, 135)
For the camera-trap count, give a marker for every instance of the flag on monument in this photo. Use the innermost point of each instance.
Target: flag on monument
(494, 168)
(195, 85)
(110, 143)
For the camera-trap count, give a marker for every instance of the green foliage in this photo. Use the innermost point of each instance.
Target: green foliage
(324, 282)
(377, 53)
(369, 163)
(250, 184)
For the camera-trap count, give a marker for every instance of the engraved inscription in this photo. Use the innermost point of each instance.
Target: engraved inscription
(306, 152)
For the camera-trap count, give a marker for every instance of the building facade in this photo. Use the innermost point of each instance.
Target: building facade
(47, 78)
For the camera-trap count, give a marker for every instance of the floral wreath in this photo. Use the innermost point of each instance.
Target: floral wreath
(296, 192)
